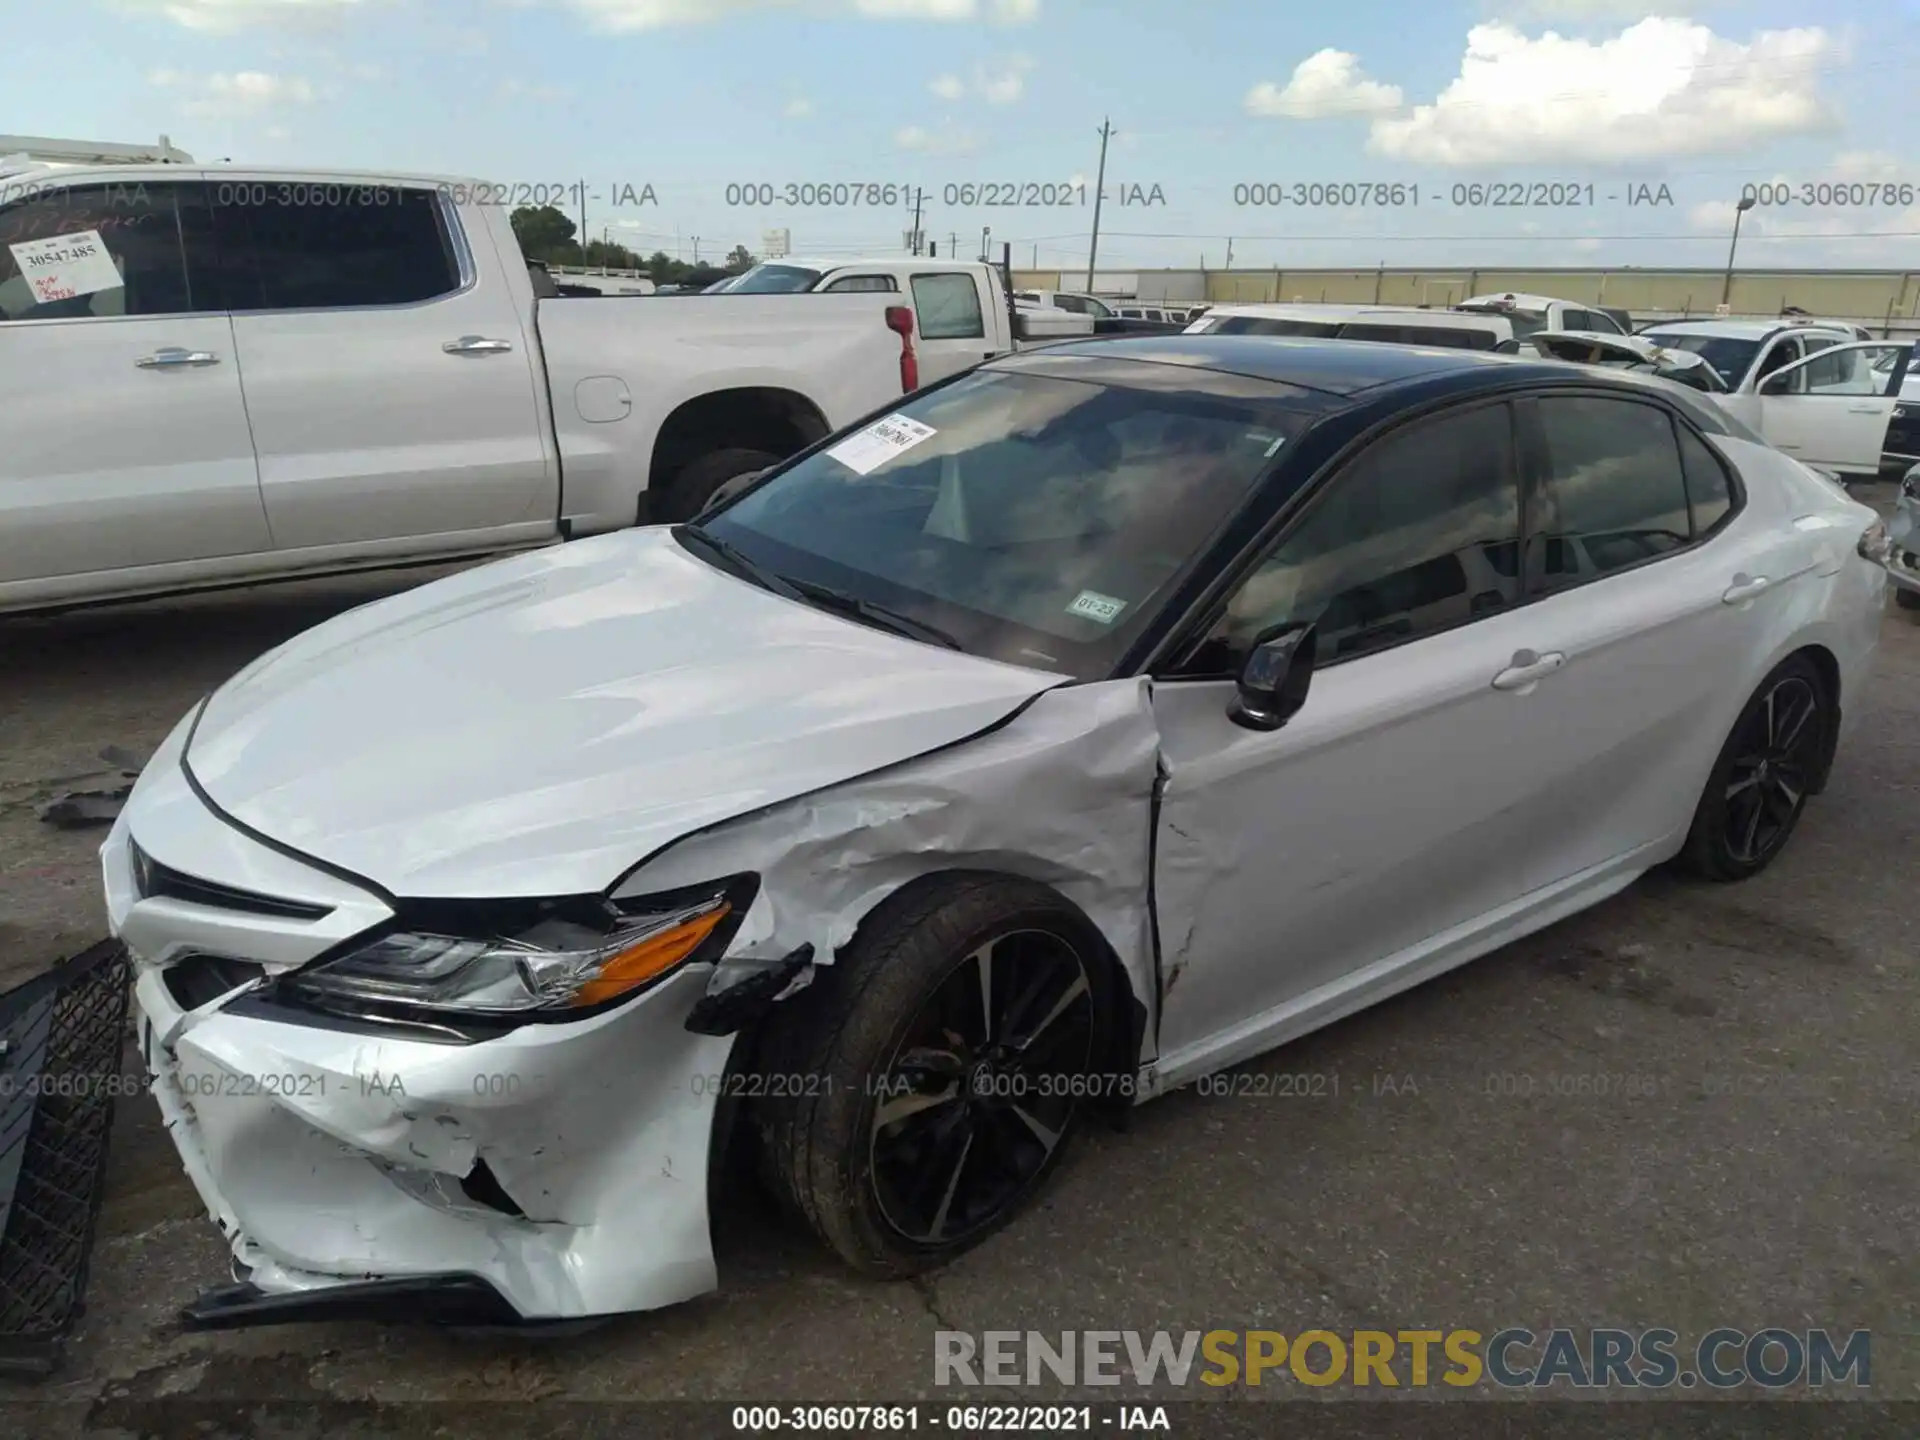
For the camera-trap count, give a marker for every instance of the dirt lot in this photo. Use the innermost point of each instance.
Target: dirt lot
(1769, 1178)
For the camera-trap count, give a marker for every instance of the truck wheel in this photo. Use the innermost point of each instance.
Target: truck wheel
(690, 489)
(948, 1055)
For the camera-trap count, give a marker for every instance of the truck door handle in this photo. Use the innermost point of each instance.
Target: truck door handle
(1528, 669)
(1863, 409)
(1744, 588)
(172, 357)
(477, 345)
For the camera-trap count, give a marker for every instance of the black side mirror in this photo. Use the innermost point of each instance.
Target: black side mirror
(1275, 679)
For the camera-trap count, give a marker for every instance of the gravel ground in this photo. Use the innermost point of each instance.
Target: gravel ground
(1767, 1177)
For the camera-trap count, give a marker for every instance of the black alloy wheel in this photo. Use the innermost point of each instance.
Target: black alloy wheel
(1775, 758)
(928, 1082)
(982, 1088)
(1777, 750)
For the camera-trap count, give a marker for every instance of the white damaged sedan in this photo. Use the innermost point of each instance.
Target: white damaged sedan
(1094, 721)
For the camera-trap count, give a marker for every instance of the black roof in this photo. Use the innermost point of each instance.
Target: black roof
(1332, 367)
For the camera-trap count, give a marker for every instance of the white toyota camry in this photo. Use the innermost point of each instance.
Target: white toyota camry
(1093, 721)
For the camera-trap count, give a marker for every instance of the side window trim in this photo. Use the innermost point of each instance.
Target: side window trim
(1532, 455)
(1194, 627)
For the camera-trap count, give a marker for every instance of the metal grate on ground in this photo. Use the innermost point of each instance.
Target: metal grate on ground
(62, 1065)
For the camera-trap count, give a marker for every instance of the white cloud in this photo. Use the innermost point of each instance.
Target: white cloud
(243, 92)
(1007, 86)
(1661, 87)
(511, 89)
(798, 108)
(930, 142)
(225, 16)
(1326, 83)
(1000, 86)
(1015, 12)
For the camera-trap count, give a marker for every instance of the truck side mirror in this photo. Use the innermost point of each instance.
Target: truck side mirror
(1275, 679)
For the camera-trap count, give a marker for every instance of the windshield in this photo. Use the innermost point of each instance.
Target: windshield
(1037, 520)
(774, 280)
(1729, 356)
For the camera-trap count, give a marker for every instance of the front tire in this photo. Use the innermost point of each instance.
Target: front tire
(696, 482)
(1759, 786)
(927, 1083)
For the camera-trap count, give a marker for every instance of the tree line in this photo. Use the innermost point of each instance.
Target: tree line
(546, 234)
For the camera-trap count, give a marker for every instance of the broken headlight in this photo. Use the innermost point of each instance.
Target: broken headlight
(541, 960)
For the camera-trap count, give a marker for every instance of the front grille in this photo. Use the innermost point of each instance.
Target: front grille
(154, 880)
(197, 979)
(62, 1066)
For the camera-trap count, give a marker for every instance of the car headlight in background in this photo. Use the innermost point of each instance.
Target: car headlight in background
(552, 960)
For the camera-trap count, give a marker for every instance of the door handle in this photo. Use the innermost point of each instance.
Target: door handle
(1744, 588)
(1864, 409)
(173, 357)
(477, 345)
(1528, 670)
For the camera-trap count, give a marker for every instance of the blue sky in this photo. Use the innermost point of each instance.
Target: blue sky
(691, 96)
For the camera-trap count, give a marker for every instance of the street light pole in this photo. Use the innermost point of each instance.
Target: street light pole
(1726, 289)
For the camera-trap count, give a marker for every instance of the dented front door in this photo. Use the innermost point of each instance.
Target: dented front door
(1404, 799)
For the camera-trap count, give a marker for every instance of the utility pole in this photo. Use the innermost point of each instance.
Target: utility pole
(585, 234)
(1099, 194)
(986, 239)
(953, 245)
(1229, 264)
(696, 250)
(919, 196)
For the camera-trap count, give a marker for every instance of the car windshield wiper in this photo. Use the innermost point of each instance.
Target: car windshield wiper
(737, 560)
(876, 614)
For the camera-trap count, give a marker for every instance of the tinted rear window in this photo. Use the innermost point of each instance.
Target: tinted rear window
(1264, 325)
(1437, 336)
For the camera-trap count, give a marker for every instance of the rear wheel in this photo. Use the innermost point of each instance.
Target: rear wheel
(930, 1079)
(1759, 785)
(696, 481)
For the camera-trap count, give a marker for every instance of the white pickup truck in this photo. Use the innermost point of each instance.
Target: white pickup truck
(220, 375)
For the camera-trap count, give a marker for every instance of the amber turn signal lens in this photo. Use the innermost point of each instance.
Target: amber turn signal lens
(650, 958)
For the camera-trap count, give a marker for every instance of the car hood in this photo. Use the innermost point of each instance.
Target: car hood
(540, 725)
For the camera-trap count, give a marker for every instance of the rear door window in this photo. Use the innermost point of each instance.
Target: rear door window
(949, 307)
(341, 247)
(1614, 491)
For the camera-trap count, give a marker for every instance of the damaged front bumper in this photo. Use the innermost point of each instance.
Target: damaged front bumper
(556, 1172)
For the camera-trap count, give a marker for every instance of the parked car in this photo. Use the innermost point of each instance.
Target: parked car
(1903, 533)
(1626, 352)
(1747, 351)
(1389, 324)
(1543, 312)
(1829, 409)
(366, 381)
(962, 307)
(1079, 304)
(1047, 742)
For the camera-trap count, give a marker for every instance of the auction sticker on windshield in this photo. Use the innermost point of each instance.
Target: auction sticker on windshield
(1092, 605)
(62, 267)
(867, 450)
